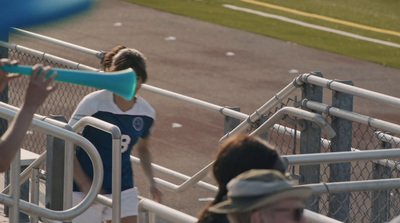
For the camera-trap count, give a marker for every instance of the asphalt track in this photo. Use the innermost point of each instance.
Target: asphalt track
(189, 57)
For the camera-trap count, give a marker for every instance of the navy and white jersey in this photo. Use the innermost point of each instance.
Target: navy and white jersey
(134, 123)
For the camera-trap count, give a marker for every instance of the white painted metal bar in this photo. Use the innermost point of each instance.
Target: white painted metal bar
(366, 120)
(273, 102)
(354, 186)
(58, 42)
(116, 177)
(35, 191)
(50, 57)
(15, 169)
(387, 138)
(303, 114)
(175, 174)
(340, 157)
(356, 91)
(326, 143)
(24, 176)
(223, 110)
(116, 158)
(35, 210)
(188, 183)
(69, 154)
(352, 116)
(166, 212)
(313, 217)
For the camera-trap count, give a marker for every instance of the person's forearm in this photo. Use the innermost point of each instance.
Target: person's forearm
(145, 160)
(81, 179)
(13, 137)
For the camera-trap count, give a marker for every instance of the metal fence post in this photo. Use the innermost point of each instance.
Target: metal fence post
(55, 170)
(339, 204)
(310, 142)
(381, 202)
(231, 123)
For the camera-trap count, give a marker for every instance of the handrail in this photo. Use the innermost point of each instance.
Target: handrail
(204, 185)
(223, 110)
(352, 116)
(265, 108)
(353, 186)
(341, 157)
(326, 143)
(317, 118)
(345, 88)
(387, 138)
(166, 212)
(43, 55)
(36, 210)
(116, 158)
(188, 183)
(313, 217)
(96, 53)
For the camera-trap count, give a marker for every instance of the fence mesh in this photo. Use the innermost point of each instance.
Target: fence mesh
(367, 206)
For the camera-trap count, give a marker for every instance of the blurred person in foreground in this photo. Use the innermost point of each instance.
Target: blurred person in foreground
(36, 93)
(263, 196)
(238, 154)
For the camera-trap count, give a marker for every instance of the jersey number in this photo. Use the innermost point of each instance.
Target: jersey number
(125, 140)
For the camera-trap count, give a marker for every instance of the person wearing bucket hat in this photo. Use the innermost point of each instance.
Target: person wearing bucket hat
(239, 153)
(261, 196)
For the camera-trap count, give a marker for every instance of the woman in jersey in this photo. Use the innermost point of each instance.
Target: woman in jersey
(135, 118)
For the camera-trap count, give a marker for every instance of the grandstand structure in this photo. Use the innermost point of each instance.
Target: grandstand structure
(350, 160)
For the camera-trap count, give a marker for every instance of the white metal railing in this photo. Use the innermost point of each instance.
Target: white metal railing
(96, 53)
(116, 162)
(164, 212)
(32, 209)
(270, 104)
(43, 55)
(313, 217)
(352, 116)
(303, 114)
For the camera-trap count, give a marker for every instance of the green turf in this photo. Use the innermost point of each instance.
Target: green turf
(383, 14)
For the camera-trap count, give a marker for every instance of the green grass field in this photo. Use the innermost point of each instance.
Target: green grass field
(369, 18)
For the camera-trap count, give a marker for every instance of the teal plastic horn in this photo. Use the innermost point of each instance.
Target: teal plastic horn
(121, 82)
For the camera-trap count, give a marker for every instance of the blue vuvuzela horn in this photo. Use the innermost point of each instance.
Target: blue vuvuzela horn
(121, 82)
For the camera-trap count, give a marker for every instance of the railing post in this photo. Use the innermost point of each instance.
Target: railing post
(381, 202)
(339, 204)
(55, 170)
(26, 158)
(310, 142)
(231, 123)
(35, 191)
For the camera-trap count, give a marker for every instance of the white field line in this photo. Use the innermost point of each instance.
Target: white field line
(282, 18)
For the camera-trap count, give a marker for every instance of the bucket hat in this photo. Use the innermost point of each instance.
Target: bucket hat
(257, 188)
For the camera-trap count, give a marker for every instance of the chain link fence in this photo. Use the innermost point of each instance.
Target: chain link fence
(366, 206)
